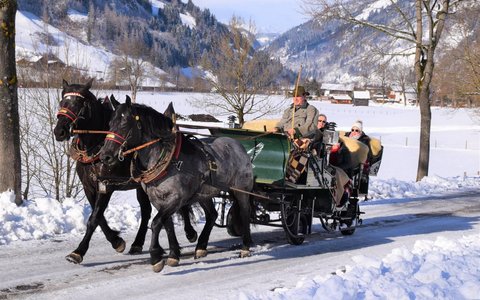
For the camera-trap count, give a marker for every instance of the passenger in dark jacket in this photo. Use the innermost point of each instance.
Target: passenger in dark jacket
(317, 135)
(357, 133)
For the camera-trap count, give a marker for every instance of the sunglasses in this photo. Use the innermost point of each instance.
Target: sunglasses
(355, 130)
(322, 121)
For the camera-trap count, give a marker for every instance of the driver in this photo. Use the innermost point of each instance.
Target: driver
(304, 116)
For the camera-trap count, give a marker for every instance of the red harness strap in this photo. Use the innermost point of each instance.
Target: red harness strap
(115, 137)
(67, 113)
(176, 154)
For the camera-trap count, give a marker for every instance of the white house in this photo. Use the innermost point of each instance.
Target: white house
(410, 95)
(361, 98)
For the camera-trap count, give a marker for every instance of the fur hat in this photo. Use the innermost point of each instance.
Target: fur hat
(358, 124)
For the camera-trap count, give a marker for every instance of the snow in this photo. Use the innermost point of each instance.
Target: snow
(72, 50)
(441, 265)
(188, 20)
(156, 5)
(374, 7)
(419, 240)
(77, 16)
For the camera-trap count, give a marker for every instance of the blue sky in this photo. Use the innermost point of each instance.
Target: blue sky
(268, 15)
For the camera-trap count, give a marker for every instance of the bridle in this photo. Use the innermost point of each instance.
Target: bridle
(122, 141)
(75, 152)
(66, 112)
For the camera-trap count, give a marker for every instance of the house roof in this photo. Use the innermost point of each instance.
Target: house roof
(337, 87)
(397, 88)
(361, 94)
(341, 97)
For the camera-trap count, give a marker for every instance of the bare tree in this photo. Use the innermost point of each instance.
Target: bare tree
(10, 161)
(45, 161)
(28, 145)
(459, 78)
(420, 26)
(46, 166)
(131, 66)
(404, 77)
(240, 76)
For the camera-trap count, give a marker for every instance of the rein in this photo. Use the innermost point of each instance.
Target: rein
(236, 138)
(141, 147)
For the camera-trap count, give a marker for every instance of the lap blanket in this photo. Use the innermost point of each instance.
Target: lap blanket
(297, 163)
(358, 150)
(342, 181)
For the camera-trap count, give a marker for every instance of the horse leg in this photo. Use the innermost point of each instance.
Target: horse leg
(174, 255)
(96, 218)
(210, 217)
(190, 232)
(244, 207)
(156, 251)
(146, 212)
(110, 234)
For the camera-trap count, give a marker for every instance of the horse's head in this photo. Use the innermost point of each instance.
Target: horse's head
(75, 109)
(131, 126)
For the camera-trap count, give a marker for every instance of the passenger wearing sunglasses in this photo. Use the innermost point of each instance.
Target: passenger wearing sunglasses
(317, 135)
(322, 121)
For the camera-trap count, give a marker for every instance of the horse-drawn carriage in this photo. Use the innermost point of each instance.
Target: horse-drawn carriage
(261, 177)
(296, 184)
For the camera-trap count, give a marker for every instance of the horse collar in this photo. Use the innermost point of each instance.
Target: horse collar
(82, 155)
(159, 170)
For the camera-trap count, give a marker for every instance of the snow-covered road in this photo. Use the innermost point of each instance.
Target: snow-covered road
(37, 269)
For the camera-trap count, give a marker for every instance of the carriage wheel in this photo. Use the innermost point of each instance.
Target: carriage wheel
(352, 223)
(328, 223)
(294, 222)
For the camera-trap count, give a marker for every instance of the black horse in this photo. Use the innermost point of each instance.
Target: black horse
(80, 110)
(177, 170)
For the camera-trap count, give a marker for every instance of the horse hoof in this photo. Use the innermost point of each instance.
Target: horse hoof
(244, 253)
(158, 266)
(121, 247)
(135, 250)
(74, 258)
(172, 262)
(193, 238)
(199, 253)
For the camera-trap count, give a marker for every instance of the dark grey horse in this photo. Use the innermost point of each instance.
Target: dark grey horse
(188, 171)
(81, 110)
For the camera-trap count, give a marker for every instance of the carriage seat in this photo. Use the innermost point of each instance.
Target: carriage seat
(377, 153)
(349, 155)
(375, 146)
(261, 125)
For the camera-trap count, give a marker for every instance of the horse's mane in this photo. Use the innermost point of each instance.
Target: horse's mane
(154, 124)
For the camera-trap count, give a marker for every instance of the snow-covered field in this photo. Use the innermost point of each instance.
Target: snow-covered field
(419, 240)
